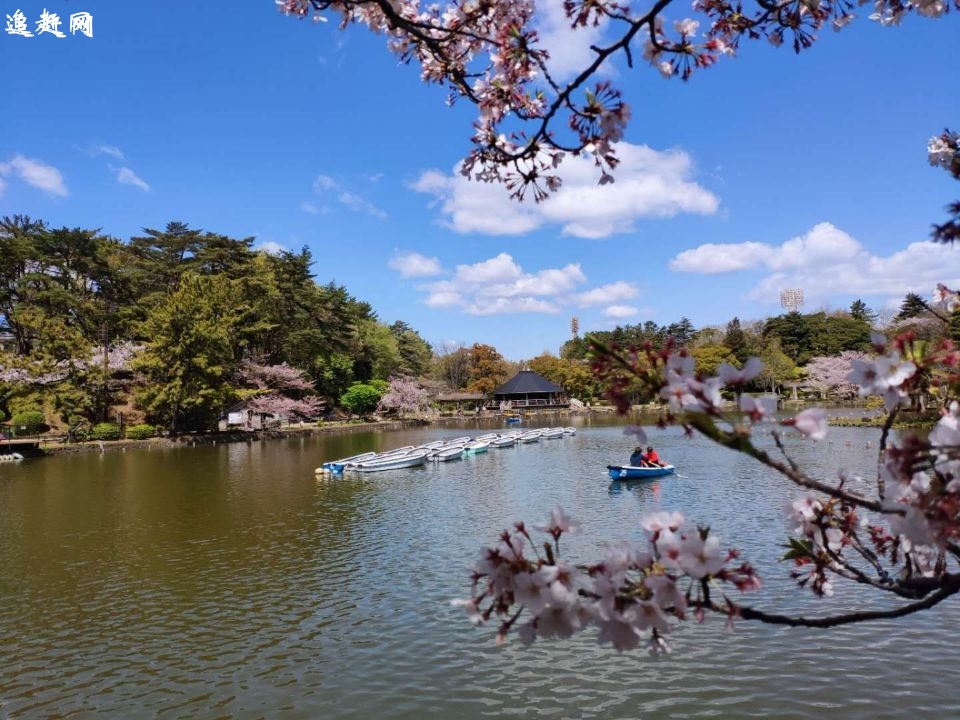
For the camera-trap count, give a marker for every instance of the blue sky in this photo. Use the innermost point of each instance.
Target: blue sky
(766, 172)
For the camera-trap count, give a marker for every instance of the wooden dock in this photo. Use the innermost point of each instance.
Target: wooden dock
(24, 446)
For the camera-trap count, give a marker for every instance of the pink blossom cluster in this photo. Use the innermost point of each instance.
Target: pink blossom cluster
(404, 395)
(280, 390)
(886, 375)
(272, 403)
(831, 374)
(631, 596)
(280, 378)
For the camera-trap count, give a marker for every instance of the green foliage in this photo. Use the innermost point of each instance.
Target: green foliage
(912, 306)
(362, 398)
(28, 422)
(574, 376)
(140, 432)
(333, 374)
(803, 337)
(736, 339)
(860, 311)
(415, 352)
(104, 431)
(778, 368)
(192, 352)
(709, 357)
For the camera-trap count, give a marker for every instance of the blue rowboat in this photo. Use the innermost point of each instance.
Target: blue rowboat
(630, 472)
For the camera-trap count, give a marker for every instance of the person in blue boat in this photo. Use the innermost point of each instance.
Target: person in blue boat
(636, 458)
(650, 458)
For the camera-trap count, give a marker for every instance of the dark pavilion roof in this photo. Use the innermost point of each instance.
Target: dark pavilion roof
(527, 381)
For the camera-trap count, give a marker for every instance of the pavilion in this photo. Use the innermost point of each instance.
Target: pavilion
(529, 391)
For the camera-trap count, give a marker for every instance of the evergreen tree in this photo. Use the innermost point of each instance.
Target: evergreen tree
(191, 354)
(860, 311)
(912, 306)
(735, 339)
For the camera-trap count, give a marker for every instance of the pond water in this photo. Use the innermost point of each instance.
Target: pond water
(229, 582)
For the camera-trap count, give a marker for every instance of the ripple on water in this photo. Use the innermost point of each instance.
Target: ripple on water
(229, 582)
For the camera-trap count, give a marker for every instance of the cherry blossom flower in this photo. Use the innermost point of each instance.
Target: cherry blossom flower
(812, 422)
(701, 557)
(884, 376)
(636, 431)
(740, 376)
(559, 523)
(661, 521)
(758, 408)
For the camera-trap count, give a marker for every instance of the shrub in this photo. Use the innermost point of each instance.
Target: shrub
(105, 431)
(28, 422)
(141, 432)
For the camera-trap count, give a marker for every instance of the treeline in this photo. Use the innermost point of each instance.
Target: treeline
(190, 307)
(175, 326)
(792, 346)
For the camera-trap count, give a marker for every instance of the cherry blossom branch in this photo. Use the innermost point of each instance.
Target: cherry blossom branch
(741, 443)
(948, 586)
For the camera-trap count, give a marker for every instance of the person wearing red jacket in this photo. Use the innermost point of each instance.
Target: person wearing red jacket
(651, 457)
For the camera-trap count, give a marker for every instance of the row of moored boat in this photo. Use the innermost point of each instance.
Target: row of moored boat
(439, 451)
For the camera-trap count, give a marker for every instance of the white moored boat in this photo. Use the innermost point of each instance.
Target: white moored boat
(503, 441)
(477, 446)
(336, 466)
(445, 454)
(11, 457)
(393, 462)
(530, 437)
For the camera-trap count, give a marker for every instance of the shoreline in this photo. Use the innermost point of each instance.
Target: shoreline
(58, 447)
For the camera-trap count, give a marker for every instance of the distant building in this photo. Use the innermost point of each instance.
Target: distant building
(458, 401)
(7, 341)
(527, 390)
(240, 416)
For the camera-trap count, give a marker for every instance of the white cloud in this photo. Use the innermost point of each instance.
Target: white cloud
(126, 176)
(604, 294)
(355, 202)
(323, 182)
(325, 186)
(110, 150)
(309, 207)
(499, 285)
(502, 306)
(36, 174)
(442, 298)
(824, 244)
(620, 311)
(649, 184)
(570, 49)
(827, 262)
(415, 265)
(271, 247)
(712, 258)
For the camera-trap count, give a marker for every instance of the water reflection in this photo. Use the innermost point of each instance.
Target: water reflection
(230, 582)
(637, 487)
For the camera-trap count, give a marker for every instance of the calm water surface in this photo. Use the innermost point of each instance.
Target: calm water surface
(228, 582)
